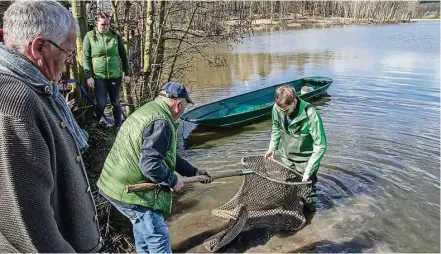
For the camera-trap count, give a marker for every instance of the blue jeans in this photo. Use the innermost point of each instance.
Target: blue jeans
(149, 229)
(113, 88)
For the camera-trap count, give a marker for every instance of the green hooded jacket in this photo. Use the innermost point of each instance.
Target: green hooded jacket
(303, 141)
(104, 55)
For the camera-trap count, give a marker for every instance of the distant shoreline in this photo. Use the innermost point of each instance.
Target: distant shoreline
(311, 21)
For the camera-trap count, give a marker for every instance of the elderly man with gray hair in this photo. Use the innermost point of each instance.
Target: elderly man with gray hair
(45, 200)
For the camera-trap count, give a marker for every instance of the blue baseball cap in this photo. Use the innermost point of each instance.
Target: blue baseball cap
(175, 90)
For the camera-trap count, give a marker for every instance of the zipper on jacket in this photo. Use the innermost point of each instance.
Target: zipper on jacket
(170, 206)
(105, 49)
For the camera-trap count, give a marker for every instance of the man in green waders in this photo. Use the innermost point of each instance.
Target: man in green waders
(298, 130)
(145, 151)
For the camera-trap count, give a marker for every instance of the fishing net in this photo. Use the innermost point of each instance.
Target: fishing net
(270, 199)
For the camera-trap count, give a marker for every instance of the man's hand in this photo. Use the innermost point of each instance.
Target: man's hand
(126, 79)
(70, 103)
(178, 186)
(270, 154)
(204, 172)
(305, 177)
(91, 83)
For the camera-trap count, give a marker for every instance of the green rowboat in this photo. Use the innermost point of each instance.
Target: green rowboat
(249, 107)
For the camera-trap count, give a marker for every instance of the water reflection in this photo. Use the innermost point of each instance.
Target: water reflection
(251, 70)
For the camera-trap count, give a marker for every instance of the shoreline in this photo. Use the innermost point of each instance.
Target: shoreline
(311, 21)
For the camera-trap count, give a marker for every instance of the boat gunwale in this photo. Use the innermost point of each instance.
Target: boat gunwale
(329, 81)
(248, 119)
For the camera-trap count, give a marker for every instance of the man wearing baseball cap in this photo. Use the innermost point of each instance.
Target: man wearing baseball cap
(145, 151)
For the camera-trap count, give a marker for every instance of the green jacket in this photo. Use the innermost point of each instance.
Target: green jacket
(104, 55)
(303, 141)
(121, 166)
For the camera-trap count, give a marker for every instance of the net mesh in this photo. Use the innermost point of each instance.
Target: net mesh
(270, 199)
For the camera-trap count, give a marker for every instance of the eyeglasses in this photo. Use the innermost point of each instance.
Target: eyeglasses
(70, 55)
(286, 109)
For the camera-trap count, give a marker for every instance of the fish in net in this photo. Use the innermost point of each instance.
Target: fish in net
(270, 199)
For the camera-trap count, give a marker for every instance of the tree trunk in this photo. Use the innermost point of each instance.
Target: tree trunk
(79, 13)
(159, 56)
(114, 6)
(271, 11)
(148, 41)
(127, 87)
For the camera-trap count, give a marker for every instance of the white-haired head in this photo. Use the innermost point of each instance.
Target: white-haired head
(24, 21)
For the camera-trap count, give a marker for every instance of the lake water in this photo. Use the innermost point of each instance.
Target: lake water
(379, 183)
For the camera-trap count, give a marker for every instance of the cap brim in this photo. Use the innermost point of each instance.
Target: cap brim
(189, 100)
